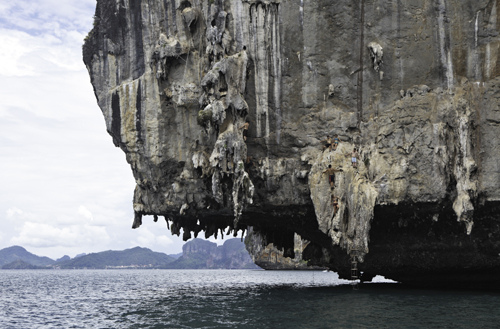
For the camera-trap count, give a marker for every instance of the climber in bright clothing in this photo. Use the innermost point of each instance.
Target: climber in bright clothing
(335, 142)
(245, 129)
(331, 175)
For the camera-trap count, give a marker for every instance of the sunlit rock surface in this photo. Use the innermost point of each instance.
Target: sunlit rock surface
(414, 85)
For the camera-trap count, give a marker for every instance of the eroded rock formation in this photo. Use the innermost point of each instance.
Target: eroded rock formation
(412, 84)
(271, 258)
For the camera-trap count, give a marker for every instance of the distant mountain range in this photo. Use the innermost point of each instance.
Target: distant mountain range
(22, 265)
(11, 254)
(197, 254)
(130, 258)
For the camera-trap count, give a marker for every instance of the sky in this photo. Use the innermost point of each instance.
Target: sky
(64, 188)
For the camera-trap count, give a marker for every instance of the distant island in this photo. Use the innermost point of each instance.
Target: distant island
(22, 265)
(14, 253)
(197, 254)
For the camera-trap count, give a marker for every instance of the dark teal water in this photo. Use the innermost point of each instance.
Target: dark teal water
(228, 299)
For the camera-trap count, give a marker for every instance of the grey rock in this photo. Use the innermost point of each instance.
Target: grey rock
(176, 80)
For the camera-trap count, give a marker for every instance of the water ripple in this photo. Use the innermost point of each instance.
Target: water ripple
(227, 299)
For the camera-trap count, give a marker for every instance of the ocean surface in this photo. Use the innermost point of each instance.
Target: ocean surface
(229, 299)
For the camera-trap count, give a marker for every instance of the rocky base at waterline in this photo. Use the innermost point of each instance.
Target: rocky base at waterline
(413, 86)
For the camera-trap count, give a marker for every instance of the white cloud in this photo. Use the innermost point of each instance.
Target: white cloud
(11, 51)
(18, 214)
(40, 235)
(164, 241)
(85, 213)
(150, 240)
(36, 16)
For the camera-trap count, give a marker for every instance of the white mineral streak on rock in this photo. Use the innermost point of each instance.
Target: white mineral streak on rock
(491, 48)
(200, 160)
(463, 170)
(263, 43)
(261, 69)
(376, 54)
(331, 90)
(276, 60)
(183, 209)
(476, 27)
(446, 61)
(476, 50)
(241, 27)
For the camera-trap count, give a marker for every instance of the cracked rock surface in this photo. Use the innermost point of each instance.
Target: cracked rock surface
(413, 85)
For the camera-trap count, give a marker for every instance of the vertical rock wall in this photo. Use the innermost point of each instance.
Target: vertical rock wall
(412, 84)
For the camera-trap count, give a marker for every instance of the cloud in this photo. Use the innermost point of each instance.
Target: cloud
(85, 213)
(36, 16)
(149, 240)
(65, 189)
(38, 38)
(16, 213)
(164, 240)
(57, 163)
(40, 235)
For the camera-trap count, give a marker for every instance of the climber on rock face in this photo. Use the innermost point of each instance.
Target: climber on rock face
(335, 142)
(354, 157)
(331, 175)
(329, 143)
(335, 204)
(245, 129)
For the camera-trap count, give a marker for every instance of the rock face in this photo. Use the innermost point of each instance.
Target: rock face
(413, 84)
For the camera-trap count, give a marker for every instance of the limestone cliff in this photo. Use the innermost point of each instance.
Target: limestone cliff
(413, 84)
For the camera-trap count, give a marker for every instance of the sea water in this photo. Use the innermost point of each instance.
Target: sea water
(229, 299)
